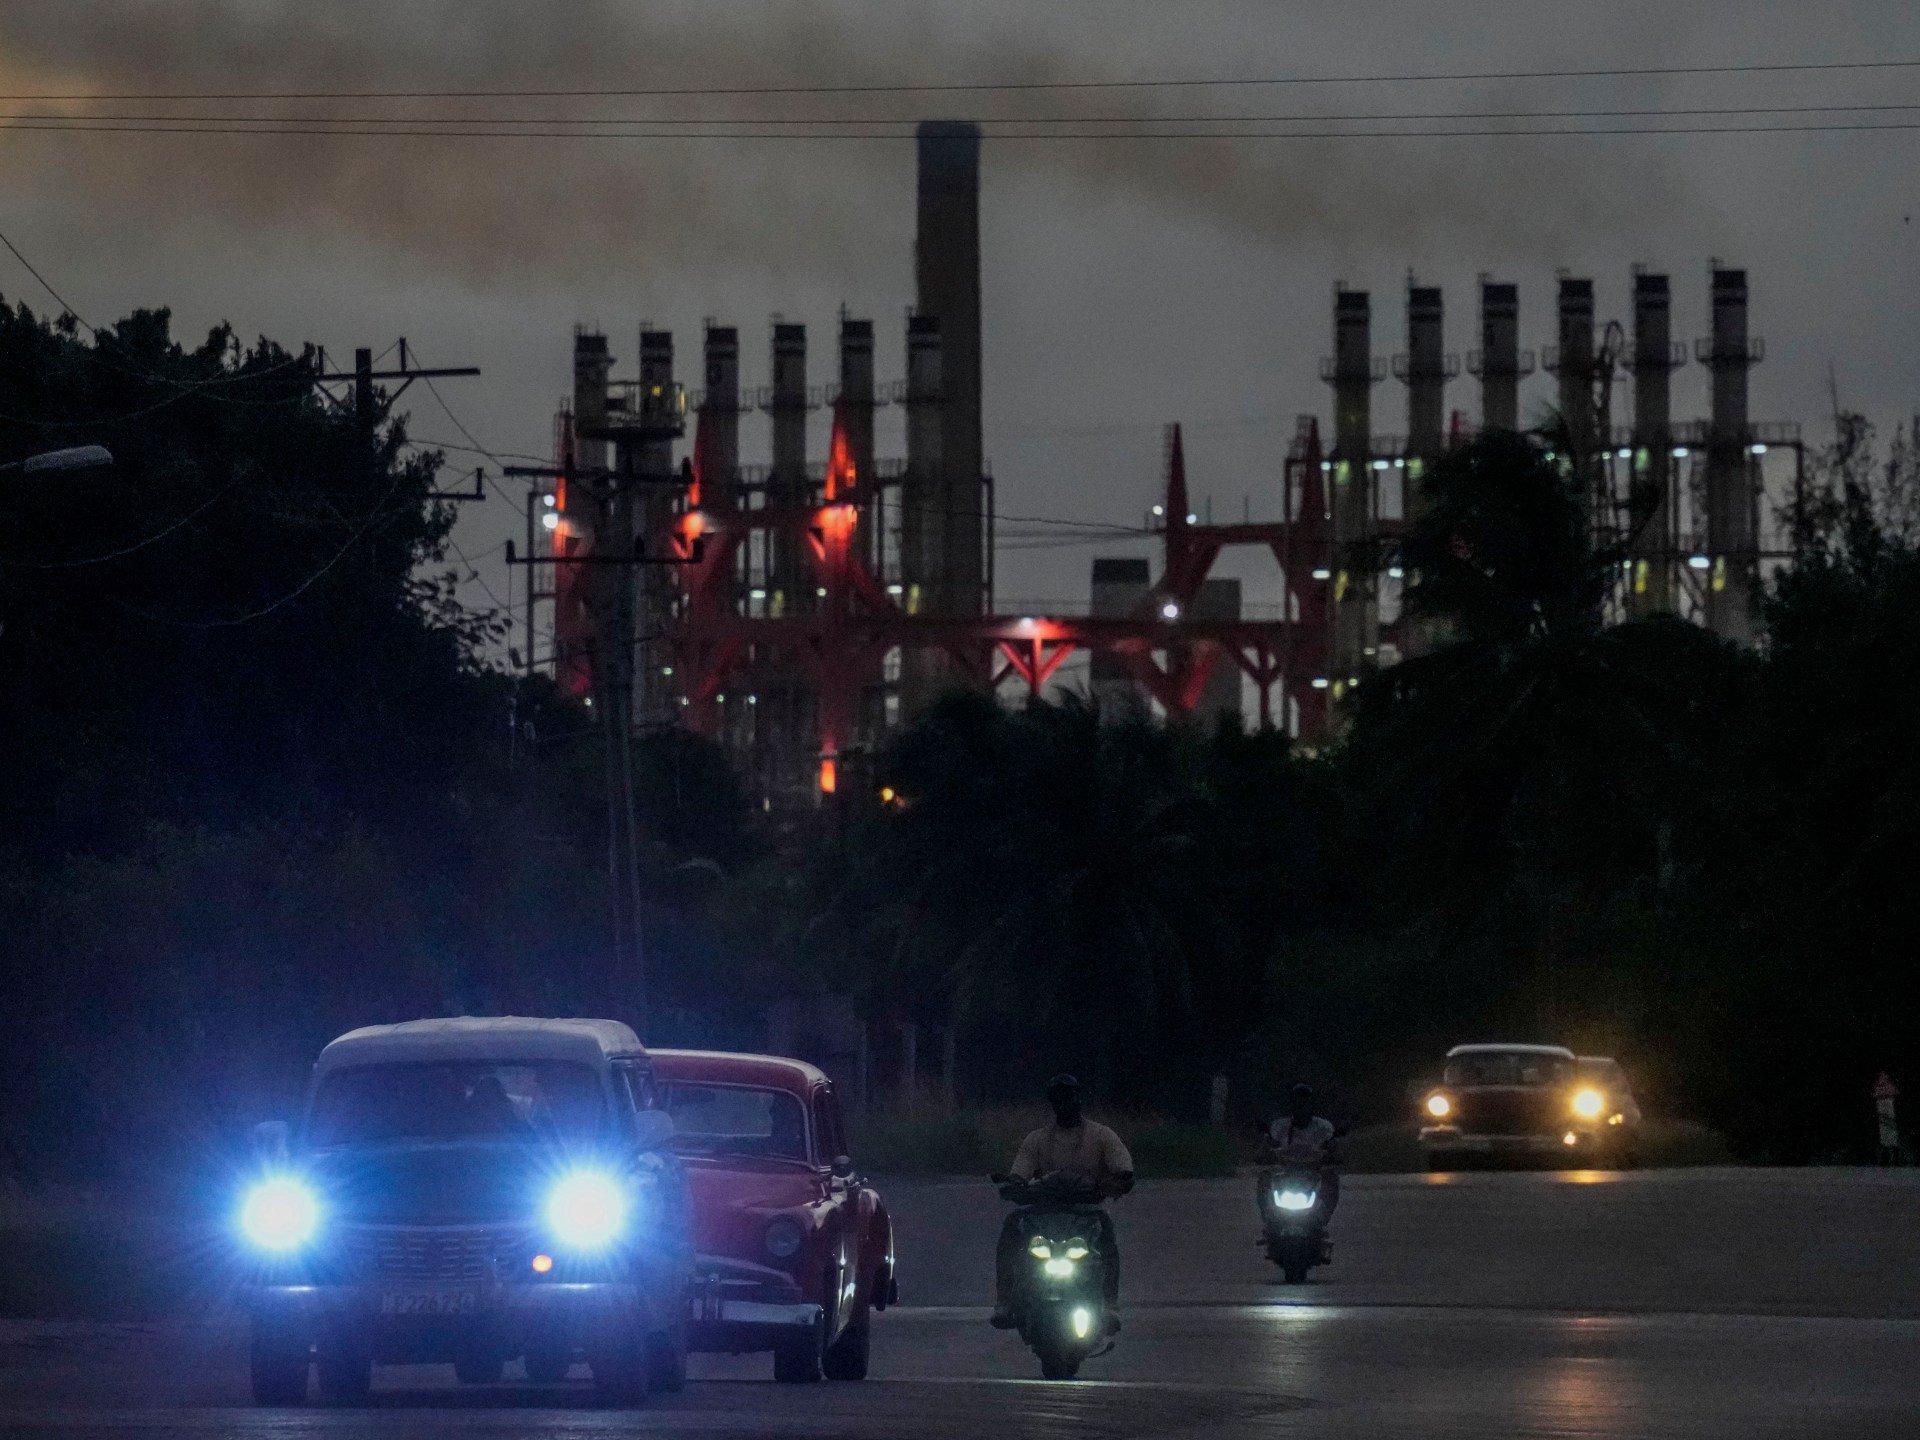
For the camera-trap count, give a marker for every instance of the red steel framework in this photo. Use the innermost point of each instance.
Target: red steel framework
(840, 643)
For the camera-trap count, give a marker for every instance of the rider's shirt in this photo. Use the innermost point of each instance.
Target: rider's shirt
(1301, 1142)
(1089, 1150)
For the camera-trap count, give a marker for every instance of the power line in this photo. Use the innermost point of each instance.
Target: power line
(906, 134)
(1296, 117)
(995, 86)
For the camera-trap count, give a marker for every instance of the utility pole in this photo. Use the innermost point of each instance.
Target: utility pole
(613, 607)
(366, 414)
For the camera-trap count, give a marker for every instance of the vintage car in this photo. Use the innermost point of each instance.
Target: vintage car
(794, 1252)
(473, 1191)
(1528, 1102)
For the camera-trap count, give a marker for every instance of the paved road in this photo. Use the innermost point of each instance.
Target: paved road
(1660, 1304)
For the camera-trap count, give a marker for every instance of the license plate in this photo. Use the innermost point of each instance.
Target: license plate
(429, 1302)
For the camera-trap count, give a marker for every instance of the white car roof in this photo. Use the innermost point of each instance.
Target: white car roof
(469, 1037)
(1559, 1052)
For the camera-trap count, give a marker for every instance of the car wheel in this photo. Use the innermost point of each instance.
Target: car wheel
(797, 1357)
(667, 1359)
(346, 1378)
(847, 1357)
(478, 1367)
(277, 1359)
(549, 1366)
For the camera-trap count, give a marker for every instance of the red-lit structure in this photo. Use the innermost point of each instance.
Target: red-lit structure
(839, 644)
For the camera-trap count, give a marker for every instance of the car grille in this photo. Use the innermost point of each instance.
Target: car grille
(434, 1254)
(1509, 1112)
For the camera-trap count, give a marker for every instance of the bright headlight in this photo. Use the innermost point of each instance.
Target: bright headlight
(1040, 1249)
(1082, 1324)
(586, 1210)
(1439, 1106)
(1059, 1269)
(279, 1214)
(1076, 1249)
(1588, 1104)
(1294, 1199)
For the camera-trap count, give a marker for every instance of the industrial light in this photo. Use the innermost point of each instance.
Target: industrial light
(1319, 682)
(1680, 452)
(1399, 464)
(1700, 562)
(753, 699)
(586, 1210)
(1756, 449)
(279, 1214)
(1321, 572)
(551, 520)
(1394, 572)
(1379, 464)
(896, 589)
(1192, 519)
(550, 500)
(588, 702)
(722, 699)
(666, 669)
(757, 593)
(1159, 510)
(1623, 454)
(1170, 610)
(1325, 465)
(820, 592)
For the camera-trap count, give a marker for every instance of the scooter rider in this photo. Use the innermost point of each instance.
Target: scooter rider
(1072, 1147)
(1303, 1138)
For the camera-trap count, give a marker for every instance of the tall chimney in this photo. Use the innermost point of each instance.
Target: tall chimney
(1733, 498)
(720, 411)
(1353, 374)
(1425, 372)
(856, 406)
(1499, 363)
(653, 508)
(787, 481)
(1653, 496)
(592, 363)
(947, 275)
(1575, 363)
(922, 531)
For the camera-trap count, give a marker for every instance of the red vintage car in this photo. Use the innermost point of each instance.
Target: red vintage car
(794, 1252)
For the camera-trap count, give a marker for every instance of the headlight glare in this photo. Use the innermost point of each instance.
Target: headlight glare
(1059, 1269)
(1589, 1104)
(1295, 1199)
(586, 1210)
(1040, 1249)
(1439, 1107)
(1076, 1249)
(280, 1214)
(783, 1238)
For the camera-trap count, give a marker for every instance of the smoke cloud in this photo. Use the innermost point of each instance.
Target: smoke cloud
(493, 211)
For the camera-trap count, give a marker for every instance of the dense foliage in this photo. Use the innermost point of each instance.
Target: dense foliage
(263, 785)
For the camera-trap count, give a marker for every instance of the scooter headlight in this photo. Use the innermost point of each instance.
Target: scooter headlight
(1058, 1269)
(1295, 1199)
(1076, 1249)
(1082, 1323)
(586, 1210)
(280, 1214)
(1040, 1249)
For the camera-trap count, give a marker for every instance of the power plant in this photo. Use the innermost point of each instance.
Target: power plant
(799, 611)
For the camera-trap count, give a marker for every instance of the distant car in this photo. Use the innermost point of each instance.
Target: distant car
(474, 1191)
(794, 1252)
(1528, 1102)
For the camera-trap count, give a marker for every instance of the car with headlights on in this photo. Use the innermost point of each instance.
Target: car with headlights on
(794, 1251)
(1535, 1103)
(470, 1190)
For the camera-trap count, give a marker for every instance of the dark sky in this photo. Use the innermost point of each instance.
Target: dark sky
(1126, 283)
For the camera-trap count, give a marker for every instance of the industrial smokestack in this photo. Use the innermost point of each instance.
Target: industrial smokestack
(1499, 363)
(922, 533)
(1353, 373)
(1733, 499)
(1574, 363)
(1652, 494)
(720, 416)
(1425, 372)
(856, 392)
(592, 363)
(787, 482)
(947, 276)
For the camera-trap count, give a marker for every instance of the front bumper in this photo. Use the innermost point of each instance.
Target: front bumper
(1450, 1139)
(738, 1306)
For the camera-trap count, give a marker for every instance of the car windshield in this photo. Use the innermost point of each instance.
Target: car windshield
(737, 1120)
(457, 1100)
(1508, 1067)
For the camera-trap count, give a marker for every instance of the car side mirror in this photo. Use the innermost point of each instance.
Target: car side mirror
(271, 1141)
(652, 1129)
(843, 1167)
